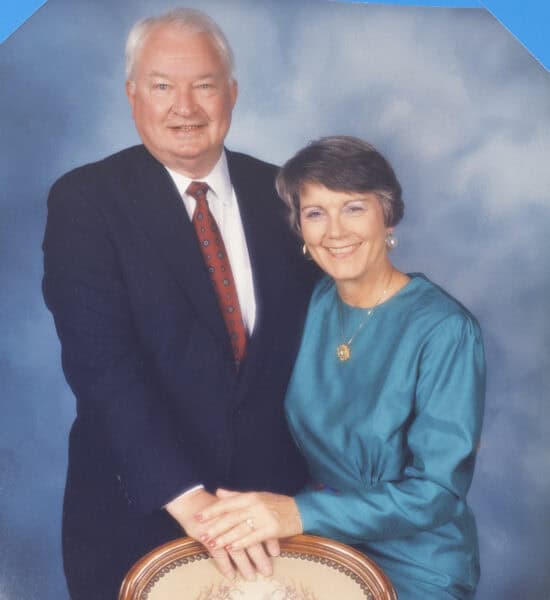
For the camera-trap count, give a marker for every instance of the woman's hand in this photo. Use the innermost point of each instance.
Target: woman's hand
(246, 561)
(239, 520)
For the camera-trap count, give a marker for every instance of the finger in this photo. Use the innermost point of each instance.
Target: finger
(223, 563)
(260, 559)
(236, 535)
(237, 502)
(222, 493)
(243, 564)
(223, 525)
(273, 547)
(242, 543)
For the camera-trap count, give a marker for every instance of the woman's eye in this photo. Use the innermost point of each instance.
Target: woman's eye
(355, 208)
(312, 213)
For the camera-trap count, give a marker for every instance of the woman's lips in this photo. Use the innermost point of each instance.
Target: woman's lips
(342, 251)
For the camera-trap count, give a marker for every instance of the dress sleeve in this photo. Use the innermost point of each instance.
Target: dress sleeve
(442, 440)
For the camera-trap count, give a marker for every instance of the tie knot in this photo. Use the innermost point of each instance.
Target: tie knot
(197, 189)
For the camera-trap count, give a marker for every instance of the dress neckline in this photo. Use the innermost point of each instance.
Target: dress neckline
(414, 279)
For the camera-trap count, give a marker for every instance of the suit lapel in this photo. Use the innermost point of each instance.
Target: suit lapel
(156, 207)
(263, 244)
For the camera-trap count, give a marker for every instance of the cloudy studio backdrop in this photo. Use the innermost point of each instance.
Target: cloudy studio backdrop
(459, 107)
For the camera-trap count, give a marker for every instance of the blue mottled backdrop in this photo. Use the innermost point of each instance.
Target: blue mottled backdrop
(458, 105)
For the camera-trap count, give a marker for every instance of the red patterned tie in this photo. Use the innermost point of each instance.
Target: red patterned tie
(217, 263)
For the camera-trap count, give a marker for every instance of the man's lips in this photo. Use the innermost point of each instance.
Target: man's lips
(186, 128)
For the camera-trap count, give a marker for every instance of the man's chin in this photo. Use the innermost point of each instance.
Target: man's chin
(192, 162)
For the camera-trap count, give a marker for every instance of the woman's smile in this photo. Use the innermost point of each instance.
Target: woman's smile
(340, 252)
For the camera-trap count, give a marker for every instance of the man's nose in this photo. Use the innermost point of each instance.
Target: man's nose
(183, 102)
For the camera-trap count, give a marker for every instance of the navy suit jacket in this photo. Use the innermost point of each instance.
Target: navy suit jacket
(146, 353)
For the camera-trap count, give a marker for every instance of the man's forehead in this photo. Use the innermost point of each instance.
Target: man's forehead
(179, 45)
(181, 37)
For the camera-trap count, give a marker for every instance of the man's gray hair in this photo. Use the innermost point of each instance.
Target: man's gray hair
(188, 20)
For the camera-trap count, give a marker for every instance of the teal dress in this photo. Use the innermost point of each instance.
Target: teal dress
(390, 436)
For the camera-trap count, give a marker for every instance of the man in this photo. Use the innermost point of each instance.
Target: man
(179, 380)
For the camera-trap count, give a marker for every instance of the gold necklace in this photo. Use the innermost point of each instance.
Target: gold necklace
(343, 350)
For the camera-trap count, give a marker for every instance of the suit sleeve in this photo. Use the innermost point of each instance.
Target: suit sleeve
(442, 441)
(103, 361)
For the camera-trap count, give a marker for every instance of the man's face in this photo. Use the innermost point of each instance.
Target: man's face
(181, 98)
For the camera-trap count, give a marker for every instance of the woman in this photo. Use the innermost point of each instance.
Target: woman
(387, 393)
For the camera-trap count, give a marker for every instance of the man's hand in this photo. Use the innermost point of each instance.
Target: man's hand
(183, 509)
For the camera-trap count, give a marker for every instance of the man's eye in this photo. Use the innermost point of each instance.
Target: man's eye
(161, 86)
(205, 86)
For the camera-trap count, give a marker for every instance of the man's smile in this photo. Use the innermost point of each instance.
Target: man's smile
(186, 128)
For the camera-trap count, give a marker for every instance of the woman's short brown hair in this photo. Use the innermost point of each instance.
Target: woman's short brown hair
(342, 164)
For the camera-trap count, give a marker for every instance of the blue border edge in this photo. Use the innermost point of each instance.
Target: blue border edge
(526, 19)
(13, 13)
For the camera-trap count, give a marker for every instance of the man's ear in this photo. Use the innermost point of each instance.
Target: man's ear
(234, 91)
(131, 93)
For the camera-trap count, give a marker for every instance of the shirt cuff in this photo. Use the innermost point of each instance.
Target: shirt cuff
(195, 488)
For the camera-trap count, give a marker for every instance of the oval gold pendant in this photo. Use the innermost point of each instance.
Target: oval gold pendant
(343, 352)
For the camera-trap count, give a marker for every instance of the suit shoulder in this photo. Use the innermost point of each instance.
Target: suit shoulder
(105, 169)
(240, 161)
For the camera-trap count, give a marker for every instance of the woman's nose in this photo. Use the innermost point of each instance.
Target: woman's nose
(334, 227)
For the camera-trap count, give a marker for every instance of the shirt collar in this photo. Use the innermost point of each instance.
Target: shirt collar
(218, 180)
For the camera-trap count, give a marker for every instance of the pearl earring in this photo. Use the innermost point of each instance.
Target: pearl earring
(391, 241)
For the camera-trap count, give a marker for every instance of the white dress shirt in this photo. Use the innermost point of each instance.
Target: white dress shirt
(224, 207)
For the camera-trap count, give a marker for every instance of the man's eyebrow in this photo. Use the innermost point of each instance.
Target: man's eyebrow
(166, 76)
(157, 74)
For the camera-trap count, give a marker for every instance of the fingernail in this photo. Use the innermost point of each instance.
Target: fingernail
(199, 517)
(229, 547)
(204, 537)
(212, 544)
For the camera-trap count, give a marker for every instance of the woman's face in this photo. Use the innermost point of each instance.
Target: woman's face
(344, 232)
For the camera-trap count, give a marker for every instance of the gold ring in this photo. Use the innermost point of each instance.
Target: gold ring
(250, 524)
